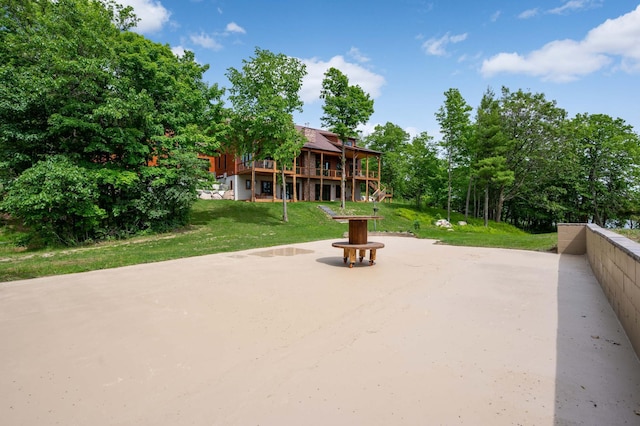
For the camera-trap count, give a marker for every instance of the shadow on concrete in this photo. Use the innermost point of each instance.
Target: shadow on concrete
(597, 371)
(339, 261)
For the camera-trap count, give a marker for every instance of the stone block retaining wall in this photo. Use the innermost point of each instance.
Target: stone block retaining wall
(615, 261)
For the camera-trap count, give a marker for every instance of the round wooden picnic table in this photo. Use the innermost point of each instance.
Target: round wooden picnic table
(358, 239)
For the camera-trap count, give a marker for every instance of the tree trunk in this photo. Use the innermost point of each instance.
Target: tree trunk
(596, 212)
(486, 205)
(285, 217)
(476, 203)
(466, 206)
(500, 204)
(343, 178)
(449, 193)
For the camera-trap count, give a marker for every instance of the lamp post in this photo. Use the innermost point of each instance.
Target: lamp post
(375, 213)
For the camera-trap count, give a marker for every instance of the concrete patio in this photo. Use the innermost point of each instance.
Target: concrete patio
(430, 335)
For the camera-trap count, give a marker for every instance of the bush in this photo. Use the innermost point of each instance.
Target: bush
(57, 200)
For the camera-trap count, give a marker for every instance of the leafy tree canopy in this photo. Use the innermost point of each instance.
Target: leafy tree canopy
(393, 141)
(75, 83)
(345, 108)
(265, 94)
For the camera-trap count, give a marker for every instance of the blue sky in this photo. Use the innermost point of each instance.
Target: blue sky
(584, 54)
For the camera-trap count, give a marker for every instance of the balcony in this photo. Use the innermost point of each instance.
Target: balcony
(270, 166)
(261, 166)
(333, 173)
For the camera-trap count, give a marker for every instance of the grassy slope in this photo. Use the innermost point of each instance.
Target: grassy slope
(222, 226)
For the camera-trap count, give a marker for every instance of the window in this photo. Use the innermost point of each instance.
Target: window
(267, 187)
(247, 184)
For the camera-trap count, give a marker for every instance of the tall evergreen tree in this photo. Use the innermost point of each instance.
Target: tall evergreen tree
(455, 125)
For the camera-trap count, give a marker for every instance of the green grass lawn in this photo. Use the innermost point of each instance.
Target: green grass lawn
(223, 226)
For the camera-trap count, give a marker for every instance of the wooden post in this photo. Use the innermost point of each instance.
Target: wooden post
(353, 176)
(367, 180)
(295, 173)
(357, 231)
(321, 176)
(274, 181)
(253, 179)
(308, 166)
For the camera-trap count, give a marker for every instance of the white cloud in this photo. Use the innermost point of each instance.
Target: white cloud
(437, 46)
(367, 128)
(573, 5)
(152, 14)
(232, 27)
(370, 82)
(496, 16)
(413, 131)
(355, 53)
(567, 60)
(619, 36)
(212, 41)
(206, 41)
(529, 13)
(178, 51)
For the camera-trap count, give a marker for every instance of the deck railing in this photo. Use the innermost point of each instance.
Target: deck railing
(333, 173)
(270, 165)
(261, 165)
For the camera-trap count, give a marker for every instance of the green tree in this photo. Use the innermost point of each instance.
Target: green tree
(532, 125)
(491, 146)
(74, 82)
(455, 126)
(393, 141)
(345, 108)
(425, 173)
(610, 156)
(265, 93)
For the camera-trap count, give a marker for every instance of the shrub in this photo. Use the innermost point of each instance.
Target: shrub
(57, 200)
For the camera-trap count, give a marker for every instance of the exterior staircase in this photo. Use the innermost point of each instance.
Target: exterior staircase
(380, 193)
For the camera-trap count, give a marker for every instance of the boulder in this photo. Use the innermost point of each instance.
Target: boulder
(443, 223)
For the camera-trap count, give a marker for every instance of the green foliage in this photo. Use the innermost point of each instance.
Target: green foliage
(455, 126)
(265, 94)
(392, 141)
(533, 127)
(608, 165)
(345, 108)
(74, 82)
(56, 199)
(426, 173)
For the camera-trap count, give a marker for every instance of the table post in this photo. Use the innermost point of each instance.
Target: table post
(358, 231)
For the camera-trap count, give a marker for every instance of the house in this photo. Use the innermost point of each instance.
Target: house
(315, 176)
